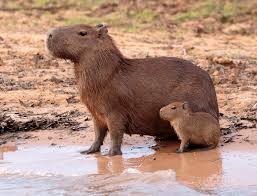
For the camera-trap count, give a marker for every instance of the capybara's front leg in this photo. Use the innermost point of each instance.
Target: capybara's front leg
(183, 145)
(100, 133)
(116, 128)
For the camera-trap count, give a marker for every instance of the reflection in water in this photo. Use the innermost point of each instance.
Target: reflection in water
(197, 170)
(140, 170)
(6, 148)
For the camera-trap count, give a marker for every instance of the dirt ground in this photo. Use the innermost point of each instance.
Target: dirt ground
(39, 101)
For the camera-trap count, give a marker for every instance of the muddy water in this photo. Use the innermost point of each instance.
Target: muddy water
(141, 170)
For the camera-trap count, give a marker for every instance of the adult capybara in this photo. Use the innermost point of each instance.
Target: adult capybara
(125, 95)
(198, 128)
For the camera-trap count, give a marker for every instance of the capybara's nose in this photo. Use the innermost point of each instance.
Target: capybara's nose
(50, 35)
(161, 111)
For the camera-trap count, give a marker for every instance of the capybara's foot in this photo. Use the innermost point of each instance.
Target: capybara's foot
(180, 150)
(93, 149)
(114, 151)
(183, 147)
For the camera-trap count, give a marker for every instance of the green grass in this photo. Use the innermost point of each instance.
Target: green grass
(90, 4)
(145, 15)
(126, 20)
(44, 3)
(229, 11)
(41, 3)
(225, 11)
(110, 20)
(198, 11)
(134, 19)
(12, 5)
(82, 20)
(114, 20)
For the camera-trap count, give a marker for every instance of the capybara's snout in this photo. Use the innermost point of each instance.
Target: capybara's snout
(51, 37)
(163, 113)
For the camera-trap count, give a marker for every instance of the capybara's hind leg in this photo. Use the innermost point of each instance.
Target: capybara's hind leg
(183, 146)
(116, 128)
(100, 133)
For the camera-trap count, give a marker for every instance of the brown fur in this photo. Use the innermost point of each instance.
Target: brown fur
(198, 128)
(125, 95)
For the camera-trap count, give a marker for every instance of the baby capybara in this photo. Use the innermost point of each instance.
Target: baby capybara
(125, 95)
(198, 128)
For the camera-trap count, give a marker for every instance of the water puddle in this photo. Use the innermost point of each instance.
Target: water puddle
(141, 171)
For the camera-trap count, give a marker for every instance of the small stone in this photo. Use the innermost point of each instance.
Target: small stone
(2, 142)
(72, 99)
(254, 107)
(37, 57)
(56, 80)
(199, 29)
(26, 137)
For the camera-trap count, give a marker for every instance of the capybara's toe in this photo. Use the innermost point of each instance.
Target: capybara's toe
(113, 152)
(179, 150)
(90, 150)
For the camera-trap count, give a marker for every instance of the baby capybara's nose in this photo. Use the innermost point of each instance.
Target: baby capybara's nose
(50, 35)
(161, 112)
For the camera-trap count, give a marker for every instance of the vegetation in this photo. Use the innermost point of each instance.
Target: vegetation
(135, 15)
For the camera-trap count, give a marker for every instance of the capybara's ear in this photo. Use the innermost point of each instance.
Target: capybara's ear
(185, 105)
(102, 30)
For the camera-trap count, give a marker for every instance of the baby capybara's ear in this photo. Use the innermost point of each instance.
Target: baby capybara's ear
(102, 30)
(185, 106)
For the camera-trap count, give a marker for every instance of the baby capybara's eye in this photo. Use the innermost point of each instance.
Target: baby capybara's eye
(82, 33)
(173, 107)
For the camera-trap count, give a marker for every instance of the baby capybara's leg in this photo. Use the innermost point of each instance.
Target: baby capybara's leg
(116, 128)
(183, 145)
(100, 133)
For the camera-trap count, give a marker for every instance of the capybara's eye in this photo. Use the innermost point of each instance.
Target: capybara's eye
(82, 33)
(173, 107)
